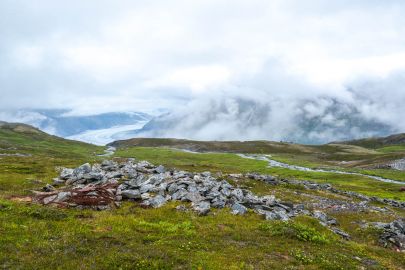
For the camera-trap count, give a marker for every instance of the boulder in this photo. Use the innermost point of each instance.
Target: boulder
(66, 173)
(131, 194)
(50, 199)
(201, 208)
(237, 194)
(48, 188)
(82, 170)
(63, 196)
(194, 197)
(238, 209)
(157, 201)
(160, 169)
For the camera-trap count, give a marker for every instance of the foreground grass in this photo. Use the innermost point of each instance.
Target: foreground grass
(35, 237)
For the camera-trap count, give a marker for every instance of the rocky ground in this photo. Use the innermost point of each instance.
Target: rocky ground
(104, 186)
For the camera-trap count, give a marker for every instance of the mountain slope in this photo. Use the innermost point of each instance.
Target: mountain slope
(378, 142)
(16, 138)
(100, 128)
(246, 118)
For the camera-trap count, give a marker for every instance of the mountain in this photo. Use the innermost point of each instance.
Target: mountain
(378, 142)
(315, 121)
(98, 129)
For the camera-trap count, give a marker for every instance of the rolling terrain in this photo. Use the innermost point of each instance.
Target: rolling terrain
(33, 236)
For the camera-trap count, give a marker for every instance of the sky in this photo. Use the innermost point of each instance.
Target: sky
(101, 56)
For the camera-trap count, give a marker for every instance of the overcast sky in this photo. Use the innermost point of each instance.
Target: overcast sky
(97, 56)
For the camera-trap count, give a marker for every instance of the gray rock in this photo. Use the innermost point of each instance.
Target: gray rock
(201, 208)
(274, 215)
(160, 169)
(172, 188)
(238, 209)
(48, 188)
(94, 176)
(81, 170)
(393, 233)
(58, 182)
(146, 188)
(109, 165)
(226, 192)
(341, 233)
(192, 188)
(206, 174)
(194, 197)
(145, 196)
(179, 195)
(237, 194)
(157, 201)
(269, 200)
(131, 194)
(181, 208)
(324, 219)
(218, 202)
(66, 173)
(50, 199)
(63, 196)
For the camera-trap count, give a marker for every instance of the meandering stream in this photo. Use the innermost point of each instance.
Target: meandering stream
(274, 163)
(108, 152)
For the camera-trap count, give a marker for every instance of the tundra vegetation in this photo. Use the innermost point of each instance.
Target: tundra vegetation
(35, 236)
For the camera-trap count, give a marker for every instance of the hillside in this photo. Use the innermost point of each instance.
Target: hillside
(152, 231)
(379, 142)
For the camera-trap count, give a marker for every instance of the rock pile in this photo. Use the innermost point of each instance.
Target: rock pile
(325, 187)
(393, 234)
(105, 185)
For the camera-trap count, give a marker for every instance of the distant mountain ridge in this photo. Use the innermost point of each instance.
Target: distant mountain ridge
(308, 122)
(58, 122)
(376, 142)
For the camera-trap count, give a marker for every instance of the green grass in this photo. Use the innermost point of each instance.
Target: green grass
(392, 148)
(134, 238)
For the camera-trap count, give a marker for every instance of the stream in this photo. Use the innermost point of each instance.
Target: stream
(274, 163)
(108, 152)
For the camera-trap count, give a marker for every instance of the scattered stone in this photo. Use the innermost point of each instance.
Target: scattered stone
(62, 196)
(157, 201)
(181, 208)
(131, 194)
(393, 234)
(341, 233)
(238, 209)
(145, 196)
(202, 208)
(324, 219)
(48, 188)
(160, 169)
(48, 200)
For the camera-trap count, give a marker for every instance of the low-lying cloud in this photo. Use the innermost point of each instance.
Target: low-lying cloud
(277, 107)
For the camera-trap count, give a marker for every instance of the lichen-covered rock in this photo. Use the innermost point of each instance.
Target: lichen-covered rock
(201, 208)
(238, 209)
(131, 194)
